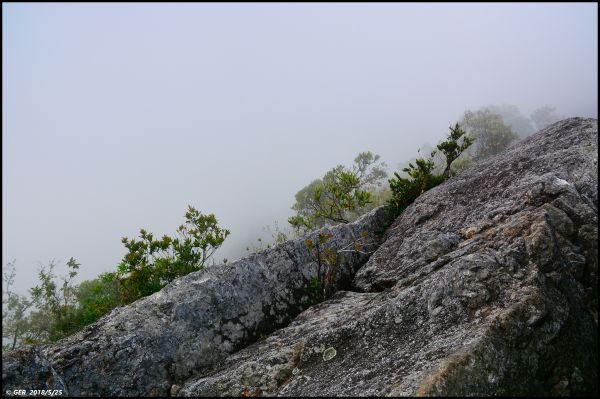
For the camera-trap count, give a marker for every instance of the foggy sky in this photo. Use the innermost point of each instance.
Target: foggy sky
(117, 116)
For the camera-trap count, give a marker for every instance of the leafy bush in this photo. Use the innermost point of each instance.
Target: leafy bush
(57, 309)
(406, 190)
(456, 143)
(97, 297)
(340, 196)
(150, 264)
(55, 314)
(421, 176)
(329, 259)
(15, 324)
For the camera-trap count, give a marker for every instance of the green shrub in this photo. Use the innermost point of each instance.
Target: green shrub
(340, 196)
(58, 309)
(97, 297)
(456, 143)
(406, 190)
(421, 176)
(327, 266)
(55, 316)
(151, 264)
(15, 323)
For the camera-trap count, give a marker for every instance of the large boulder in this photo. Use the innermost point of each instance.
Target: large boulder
(159, 341)
(27, 369)
(486, 285)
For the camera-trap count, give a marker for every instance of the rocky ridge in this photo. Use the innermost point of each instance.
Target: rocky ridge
(486, 285)
(191, 324)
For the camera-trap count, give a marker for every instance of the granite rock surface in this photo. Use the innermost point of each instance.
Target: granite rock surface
(486, 285)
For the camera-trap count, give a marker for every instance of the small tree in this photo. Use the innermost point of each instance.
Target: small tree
(329, 260)
(327, 266)
(56, 306)
(15, 325)
(492, 135)
(511, 115)
(369, 170)
(340, 196)
(421, 176)
(456, 143)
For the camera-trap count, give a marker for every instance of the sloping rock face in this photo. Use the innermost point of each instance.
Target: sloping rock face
(26, 368)
(486, 285)
(161, 340)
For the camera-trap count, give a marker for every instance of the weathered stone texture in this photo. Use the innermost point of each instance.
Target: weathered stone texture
(159, 341)
(486, 285)
(27, 369)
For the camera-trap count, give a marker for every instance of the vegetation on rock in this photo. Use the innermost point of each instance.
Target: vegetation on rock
(151, 264)
(340, 196)
(421, 175)
(59, 307)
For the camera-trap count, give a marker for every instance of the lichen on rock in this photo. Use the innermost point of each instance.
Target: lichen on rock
(329, 354)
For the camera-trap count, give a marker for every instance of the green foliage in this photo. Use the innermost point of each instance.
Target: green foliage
(55, 316)
(368, 170)
(489, 131)
(380, 196)
(59, 308)
(340, 196)
(406, 190)
(327, 266)
(97, 297)
(456, 143)
(420, 176)
(150, 264)
(461, 164)
(15, 324)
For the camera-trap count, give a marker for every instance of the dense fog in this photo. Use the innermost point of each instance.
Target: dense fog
(117, 117)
